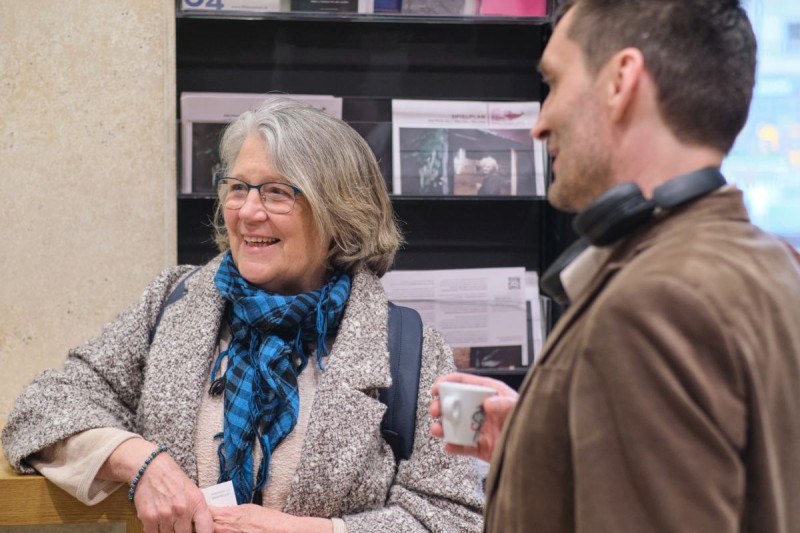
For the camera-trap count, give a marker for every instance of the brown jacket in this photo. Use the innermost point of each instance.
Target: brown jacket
(668, 396)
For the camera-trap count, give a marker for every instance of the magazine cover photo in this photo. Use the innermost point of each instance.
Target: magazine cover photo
(469, 162)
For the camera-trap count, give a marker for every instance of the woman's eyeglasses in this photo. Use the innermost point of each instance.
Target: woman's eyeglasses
(278, 198)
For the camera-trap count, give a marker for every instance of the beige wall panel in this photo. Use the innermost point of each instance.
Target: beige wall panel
(87, 155)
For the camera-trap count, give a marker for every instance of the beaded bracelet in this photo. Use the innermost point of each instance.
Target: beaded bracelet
(144, 466)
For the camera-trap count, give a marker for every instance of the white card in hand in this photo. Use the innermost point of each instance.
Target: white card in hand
(221, 495)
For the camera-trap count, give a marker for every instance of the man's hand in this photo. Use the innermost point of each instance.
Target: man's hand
(497, 409)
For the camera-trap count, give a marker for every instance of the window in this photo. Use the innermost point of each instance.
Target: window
(793, 38)
(765, 162)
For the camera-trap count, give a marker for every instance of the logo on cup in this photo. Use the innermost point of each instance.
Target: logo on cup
(477, 421)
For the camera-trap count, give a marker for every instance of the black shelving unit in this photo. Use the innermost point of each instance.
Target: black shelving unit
(380, 57)
(375, 58)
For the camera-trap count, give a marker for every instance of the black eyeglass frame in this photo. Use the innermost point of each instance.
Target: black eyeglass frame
(295, 189)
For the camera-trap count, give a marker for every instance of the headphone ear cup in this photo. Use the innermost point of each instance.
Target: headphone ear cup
(613, 214)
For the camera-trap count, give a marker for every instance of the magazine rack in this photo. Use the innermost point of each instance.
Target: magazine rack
(377, 58)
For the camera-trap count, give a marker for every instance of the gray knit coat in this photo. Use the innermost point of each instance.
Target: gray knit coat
(119, 379)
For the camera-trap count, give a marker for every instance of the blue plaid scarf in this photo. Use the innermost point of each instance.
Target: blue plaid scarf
(260, 382)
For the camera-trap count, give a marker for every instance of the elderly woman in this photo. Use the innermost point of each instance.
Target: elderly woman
(266, 371)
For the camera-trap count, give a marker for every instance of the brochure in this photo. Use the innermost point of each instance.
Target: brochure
(261, 6)
(537, 313)
(513, 8)
(204, 117)
(387, 6)
(466, 148)
(372, 119)
(326, 6)
(434, 7)
(480, 311)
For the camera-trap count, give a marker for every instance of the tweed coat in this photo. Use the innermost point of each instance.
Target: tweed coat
(346, 469)
(666, 398)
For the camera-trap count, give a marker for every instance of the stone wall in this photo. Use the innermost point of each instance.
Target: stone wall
(87, 163)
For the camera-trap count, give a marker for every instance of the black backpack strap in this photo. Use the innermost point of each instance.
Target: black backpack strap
(405, 359)
(177, 293)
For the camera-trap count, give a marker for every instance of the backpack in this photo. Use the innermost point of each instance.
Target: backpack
(405, 359)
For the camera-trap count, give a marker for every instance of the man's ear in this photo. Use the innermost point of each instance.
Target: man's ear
(624, 73)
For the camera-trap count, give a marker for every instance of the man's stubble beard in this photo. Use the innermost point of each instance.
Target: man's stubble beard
(583, 181)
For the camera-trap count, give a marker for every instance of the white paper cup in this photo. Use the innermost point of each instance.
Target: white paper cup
(462, 411)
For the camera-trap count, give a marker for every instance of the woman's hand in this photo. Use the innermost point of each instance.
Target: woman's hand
(252, 518)
(166, 499)
(497, 409)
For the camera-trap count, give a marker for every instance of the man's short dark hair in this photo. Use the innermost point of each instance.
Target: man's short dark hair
(701, 54)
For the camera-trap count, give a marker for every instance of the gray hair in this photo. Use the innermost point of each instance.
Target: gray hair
(337, 172)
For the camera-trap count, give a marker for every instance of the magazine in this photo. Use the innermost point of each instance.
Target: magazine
(435, 7)
(480, 311)
(537, 311)
(332, 6)
(372, 119)
(387, 6)
(513, 8)
(466, 148)
(204, 117)
(263, 6)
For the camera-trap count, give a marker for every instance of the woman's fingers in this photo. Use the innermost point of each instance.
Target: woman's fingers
(167, 500)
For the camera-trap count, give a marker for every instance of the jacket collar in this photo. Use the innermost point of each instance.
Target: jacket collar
(355, 358)
(178, 366)
(341, 436)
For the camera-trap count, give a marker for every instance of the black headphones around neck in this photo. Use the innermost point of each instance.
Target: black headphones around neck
(618, 212)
